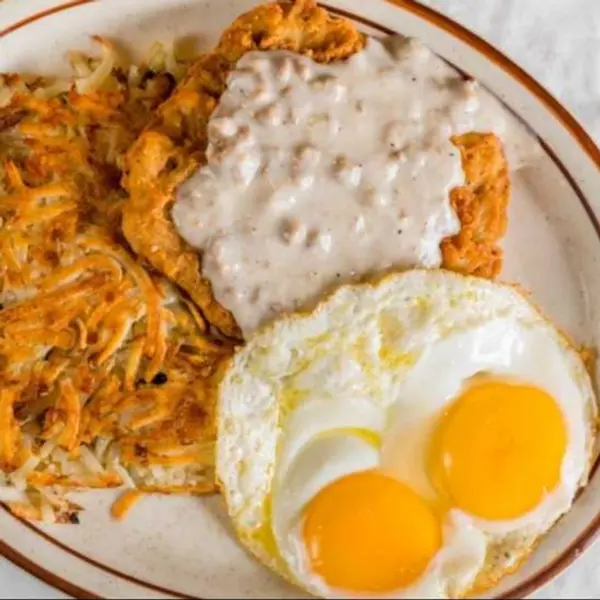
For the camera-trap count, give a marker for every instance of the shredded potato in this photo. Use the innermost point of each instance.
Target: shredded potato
(106, 371)
(125, 503)
(95, 78)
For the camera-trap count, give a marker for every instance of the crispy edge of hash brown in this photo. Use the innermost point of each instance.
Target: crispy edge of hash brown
(173, 147)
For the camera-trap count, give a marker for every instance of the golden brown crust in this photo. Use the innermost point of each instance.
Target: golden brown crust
(174, 143)
(481, 207)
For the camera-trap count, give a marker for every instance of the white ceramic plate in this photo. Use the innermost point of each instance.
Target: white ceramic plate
(182, 547)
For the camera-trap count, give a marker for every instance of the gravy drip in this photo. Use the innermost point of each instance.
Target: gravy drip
(323, 174)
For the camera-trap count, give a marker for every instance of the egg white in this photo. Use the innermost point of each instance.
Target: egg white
(359, 383)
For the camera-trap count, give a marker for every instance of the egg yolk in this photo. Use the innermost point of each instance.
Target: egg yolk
(499, 450)
(368, 532)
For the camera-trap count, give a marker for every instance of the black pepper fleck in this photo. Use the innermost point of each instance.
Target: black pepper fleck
(414, 78)
(73, 518)
(120, 75)
(160, 378)
(337, 275)
(148, 75)
(141, 451)
(399, 231)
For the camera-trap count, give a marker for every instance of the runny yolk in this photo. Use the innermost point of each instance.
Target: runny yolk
(367, 532)
(499, 450)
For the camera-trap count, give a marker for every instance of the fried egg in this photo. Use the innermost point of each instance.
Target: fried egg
(409, 438)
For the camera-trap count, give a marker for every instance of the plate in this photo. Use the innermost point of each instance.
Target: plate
(180, 547)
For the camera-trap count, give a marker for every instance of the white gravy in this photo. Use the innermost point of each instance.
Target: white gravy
(321, 174)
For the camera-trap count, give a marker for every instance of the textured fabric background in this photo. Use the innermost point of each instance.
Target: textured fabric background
(558, 42)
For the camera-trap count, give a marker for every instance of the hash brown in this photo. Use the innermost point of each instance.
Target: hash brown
(105, 368)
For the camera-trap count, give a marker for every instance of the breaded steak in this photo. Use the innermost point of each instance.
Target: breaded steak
(173, 146)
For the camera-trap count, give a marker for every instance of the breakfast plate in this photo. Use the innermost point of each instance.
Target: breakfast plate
(178, 546)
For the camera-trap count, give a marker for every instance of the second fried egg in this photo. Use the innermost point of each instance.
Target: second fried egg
(412, 438)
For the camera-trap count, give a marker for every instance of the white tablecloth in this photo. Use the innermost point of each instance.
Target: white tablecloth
(558, 42)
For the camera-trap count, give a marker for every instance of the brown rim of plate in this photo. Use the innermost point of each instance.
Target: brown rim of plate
(589, 535)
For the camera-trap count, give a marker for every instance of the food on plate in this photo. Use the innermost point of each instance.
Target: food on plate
(405, 434)
(413, 437)
(105, 368)
(264, 169)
